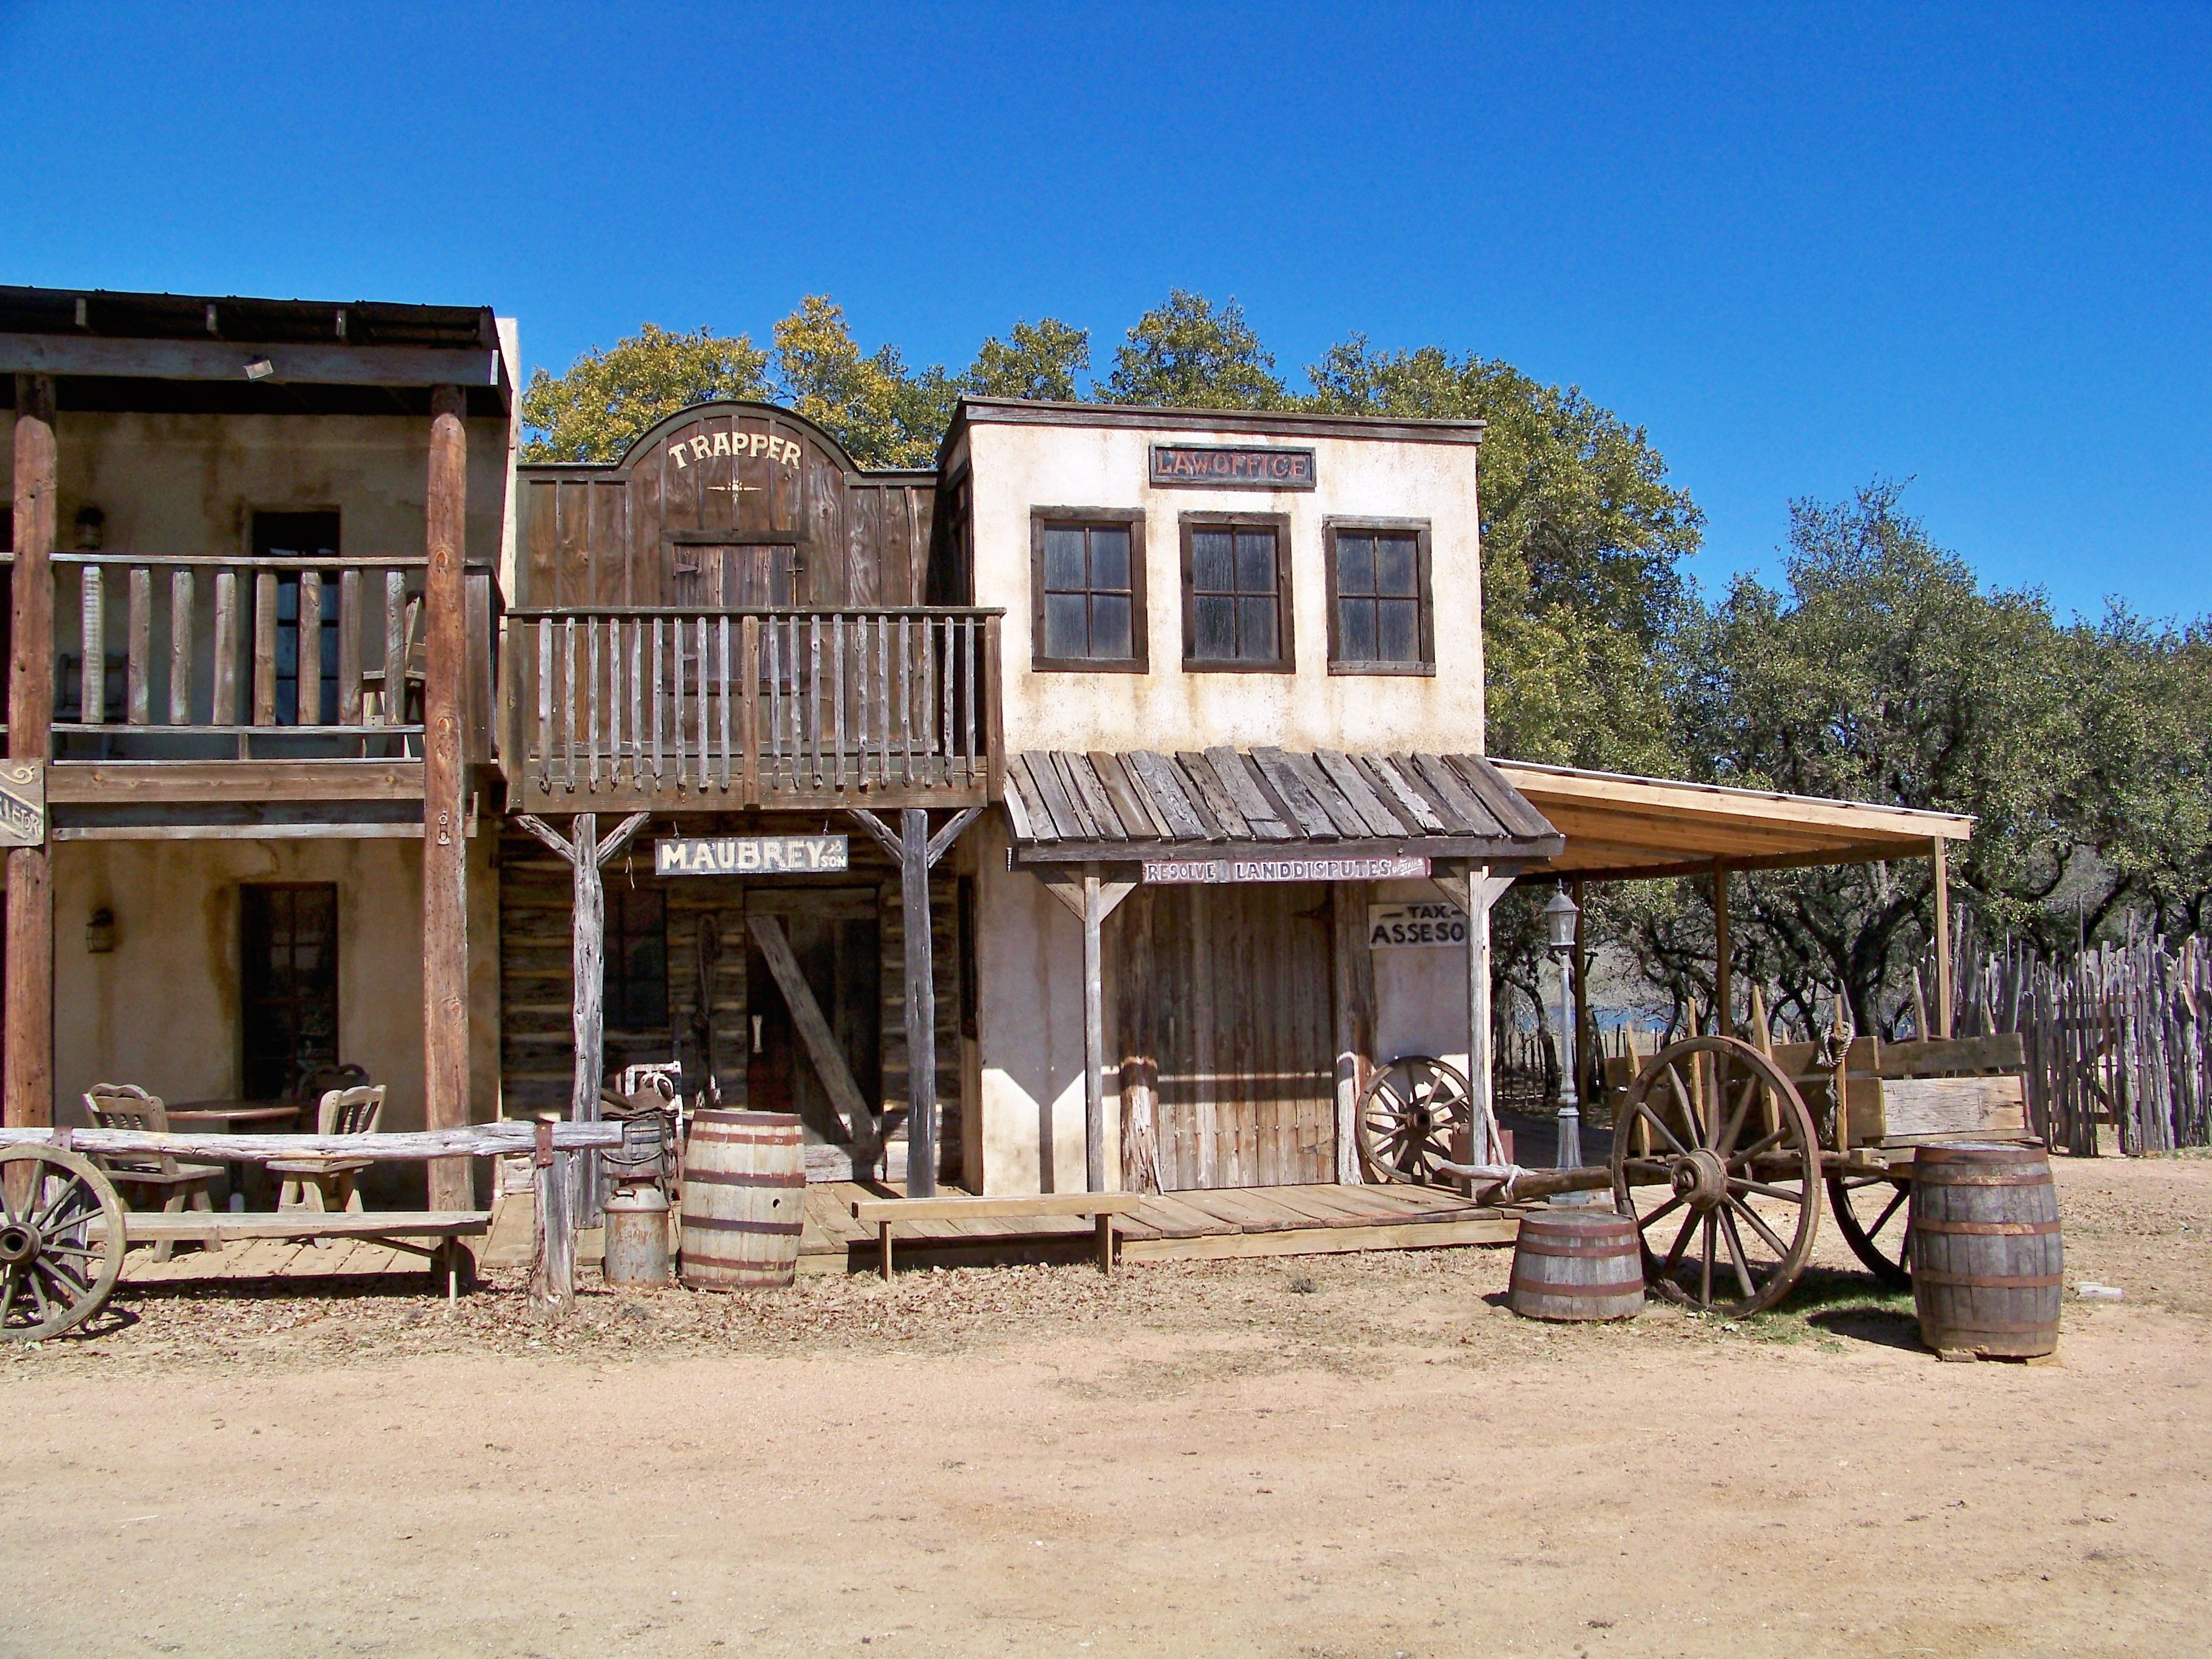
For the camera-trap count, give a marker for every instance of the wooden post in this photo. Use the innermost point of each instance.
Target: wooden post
(1723, 986)
(29, 1063)
(553, 1282)
(921, 1005)
(1094, 1039)
(1482, 1107)
(1352, 1012)
(1587, 1086)
(1140, 1043)
(1942, 940)
(445, 847)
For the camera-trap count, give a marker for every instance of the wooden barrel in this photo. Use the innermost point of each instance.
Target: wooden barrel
(1988, 1260)
(745, 1201)
(1576, 1263)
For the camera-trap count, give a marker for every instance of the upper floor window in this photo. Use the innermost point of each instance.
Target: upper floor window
(1237, 593)
(1087, 590)
(1379, 614)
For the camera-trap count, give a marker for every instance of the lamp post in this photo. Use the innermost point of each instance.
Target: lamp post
(1560, 916)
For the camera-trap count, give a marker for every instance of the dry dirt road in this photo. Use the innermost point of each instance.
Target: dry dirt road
(1342, 1457)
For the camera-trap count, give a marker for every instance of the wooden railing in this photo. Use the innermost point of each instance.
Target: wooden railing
(754, 708)
(266, 656)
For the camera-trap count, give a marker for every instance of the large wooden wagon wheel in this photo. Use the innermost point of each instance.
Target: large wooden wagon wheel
(53, 1274)
(1871, 1215)
(1406, 1118)
(1716, 1123)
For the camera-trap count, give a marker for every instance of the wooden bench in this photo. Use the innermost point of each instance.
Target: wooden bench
(886, 1214)
(397, 1229)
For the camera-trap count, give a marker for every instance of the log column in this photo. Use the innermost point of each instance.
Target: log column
(445, 847)
(921, 1005)
(28, 1065)
(1942, 940)
(1724, 980)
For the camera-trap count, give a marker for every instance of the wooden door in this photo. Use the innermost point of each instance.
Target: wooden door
(751, 576)
(1240, 1011)
(288, 984)
(833, 933)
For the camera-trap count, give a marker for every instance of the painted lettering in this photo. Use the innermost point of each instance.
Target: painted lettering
(721, 443)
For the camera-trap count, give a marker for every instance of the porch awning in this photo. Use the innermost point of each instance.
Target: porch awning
(1067, 805)
(1619, 827)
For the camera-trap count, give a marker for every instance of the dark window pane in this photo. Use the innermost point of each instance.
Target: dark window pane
(1110, 559)
(1110, 627)
(1212, 567)
(1397, 569)
(1063, 626)
(1255, 561)
(1215, 629)
(1399, 628)
(1255, 630)
(1355, 628)
(1355, 564)
(1063, 560)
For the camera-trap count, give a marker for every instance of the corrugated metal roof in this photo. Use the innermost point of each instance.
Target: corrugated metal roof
(1070, 805)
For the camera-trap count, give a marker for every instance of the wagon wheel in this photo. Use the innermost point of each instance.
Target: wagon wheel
(1406, 1118)
(1715, 1120)
(1871, 1213)
(52, 1273)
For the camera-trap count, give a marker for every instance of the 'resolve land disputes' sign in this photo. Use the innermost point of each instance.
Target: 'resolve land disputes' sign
(751, 855)
(1216, 466)
(1180, 870)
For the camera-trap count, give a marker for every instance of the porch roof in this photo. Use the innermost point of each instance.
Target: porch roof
(1619, 827)
(1069, 806)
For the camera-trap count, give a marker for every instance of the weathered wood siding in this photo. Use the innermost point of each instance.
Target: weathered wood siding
(723, 475)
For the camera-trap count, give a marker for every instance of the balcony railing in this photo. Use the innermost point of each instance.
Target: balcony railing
(715, 707)
(212, 658)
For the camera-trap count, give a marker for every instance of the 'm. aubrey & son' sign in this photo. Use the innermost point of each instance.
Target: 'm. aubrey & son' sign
(750, 855)
(1211, 466)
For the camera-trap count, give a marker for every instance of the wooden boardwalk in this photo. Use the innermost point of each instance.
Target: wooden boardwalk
(1218, 1225)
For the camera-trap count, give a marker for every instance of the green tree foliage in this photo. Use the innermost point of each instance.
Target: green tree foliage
(1039, 362)
(592, 412)
(883, 414)
(1186, 354)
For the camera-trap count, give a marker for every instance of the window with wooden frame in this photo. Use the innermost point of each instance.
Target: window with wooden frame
(1236, 593)
(1087, 590)
(1380, 619)
(634, 970)
(288, 1002)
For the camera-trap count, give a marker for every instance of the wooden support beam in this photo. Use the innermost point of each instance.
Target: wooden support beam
(1352, 1010)
(445, 847)
(1583, 1047)
(27, 1072)
(1723, 978)
(921, 1005)
(813, 1028)
(1139, 1030)
(1094, 1035)
(1942, 938)
(553, 1282)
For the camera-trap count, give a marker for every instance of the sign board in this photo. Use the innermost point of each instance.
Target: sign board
(1400, 927)
(751, 855)
(1219, 466)
(22, 803)
(1173, 871)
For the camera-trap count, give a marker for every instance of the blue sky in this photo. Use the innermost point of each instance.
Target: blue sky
(1802, 245)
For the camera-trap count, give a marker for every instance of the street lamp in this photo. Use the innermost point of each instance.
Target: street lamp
(1560, 916)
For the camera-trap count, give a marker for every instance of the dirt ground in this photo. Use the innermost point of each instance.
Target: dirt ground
(1334, 1456)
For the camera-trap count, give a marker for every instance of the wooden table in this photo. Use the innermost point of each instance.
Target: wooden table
(228, 1115)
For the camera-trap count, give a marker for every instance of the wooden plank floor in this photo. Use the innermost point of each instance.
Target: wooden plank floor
(1194, 1225)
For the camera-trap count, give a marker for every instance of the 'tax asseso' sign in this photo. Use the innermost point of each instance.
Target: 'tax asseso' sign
(1395, 926)
(751, 855)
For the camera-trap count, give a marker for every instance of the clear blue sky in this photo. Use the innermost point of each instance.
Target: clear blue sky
(1802, 245)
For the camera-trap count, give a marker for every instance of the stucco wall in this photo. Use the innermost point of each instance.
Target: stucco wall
(1016, 467)
(161, 1009)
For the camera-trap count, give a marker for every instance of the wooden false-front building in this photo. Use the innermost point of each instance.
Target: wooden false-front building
(1041, 820)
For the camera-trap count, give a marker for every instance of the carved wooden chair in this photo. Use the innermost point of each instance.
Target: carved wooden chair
(143, 1180)
(327, 1183)
(317, 1081)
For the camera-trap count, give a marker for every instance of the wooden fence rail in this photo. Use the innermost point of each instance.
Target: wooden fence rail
(2118, 1034)
(757, 707)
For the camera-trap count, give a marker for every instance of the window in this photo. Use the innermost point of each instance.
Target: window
(1379, 620)
(287, 985)
(637, 963)
(1087, 590)
(1237, 593)
(313, 537)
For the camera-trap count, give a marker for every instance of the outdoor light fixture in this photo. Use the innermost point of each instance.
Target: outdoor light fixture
(260, 369)
(1560, 918)
(100, 931)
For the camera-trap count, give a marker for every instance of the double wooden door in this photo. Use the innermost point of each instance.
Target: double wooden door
(1238, 1018)
(833, 936)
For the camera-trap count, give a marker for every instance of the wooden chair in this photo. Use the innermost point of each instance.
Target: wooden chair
(143, 1178)
(317, 1081)
(327, 1183)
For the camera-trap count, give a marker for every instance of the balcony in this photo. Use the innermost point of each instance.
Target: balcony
(707, 709)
